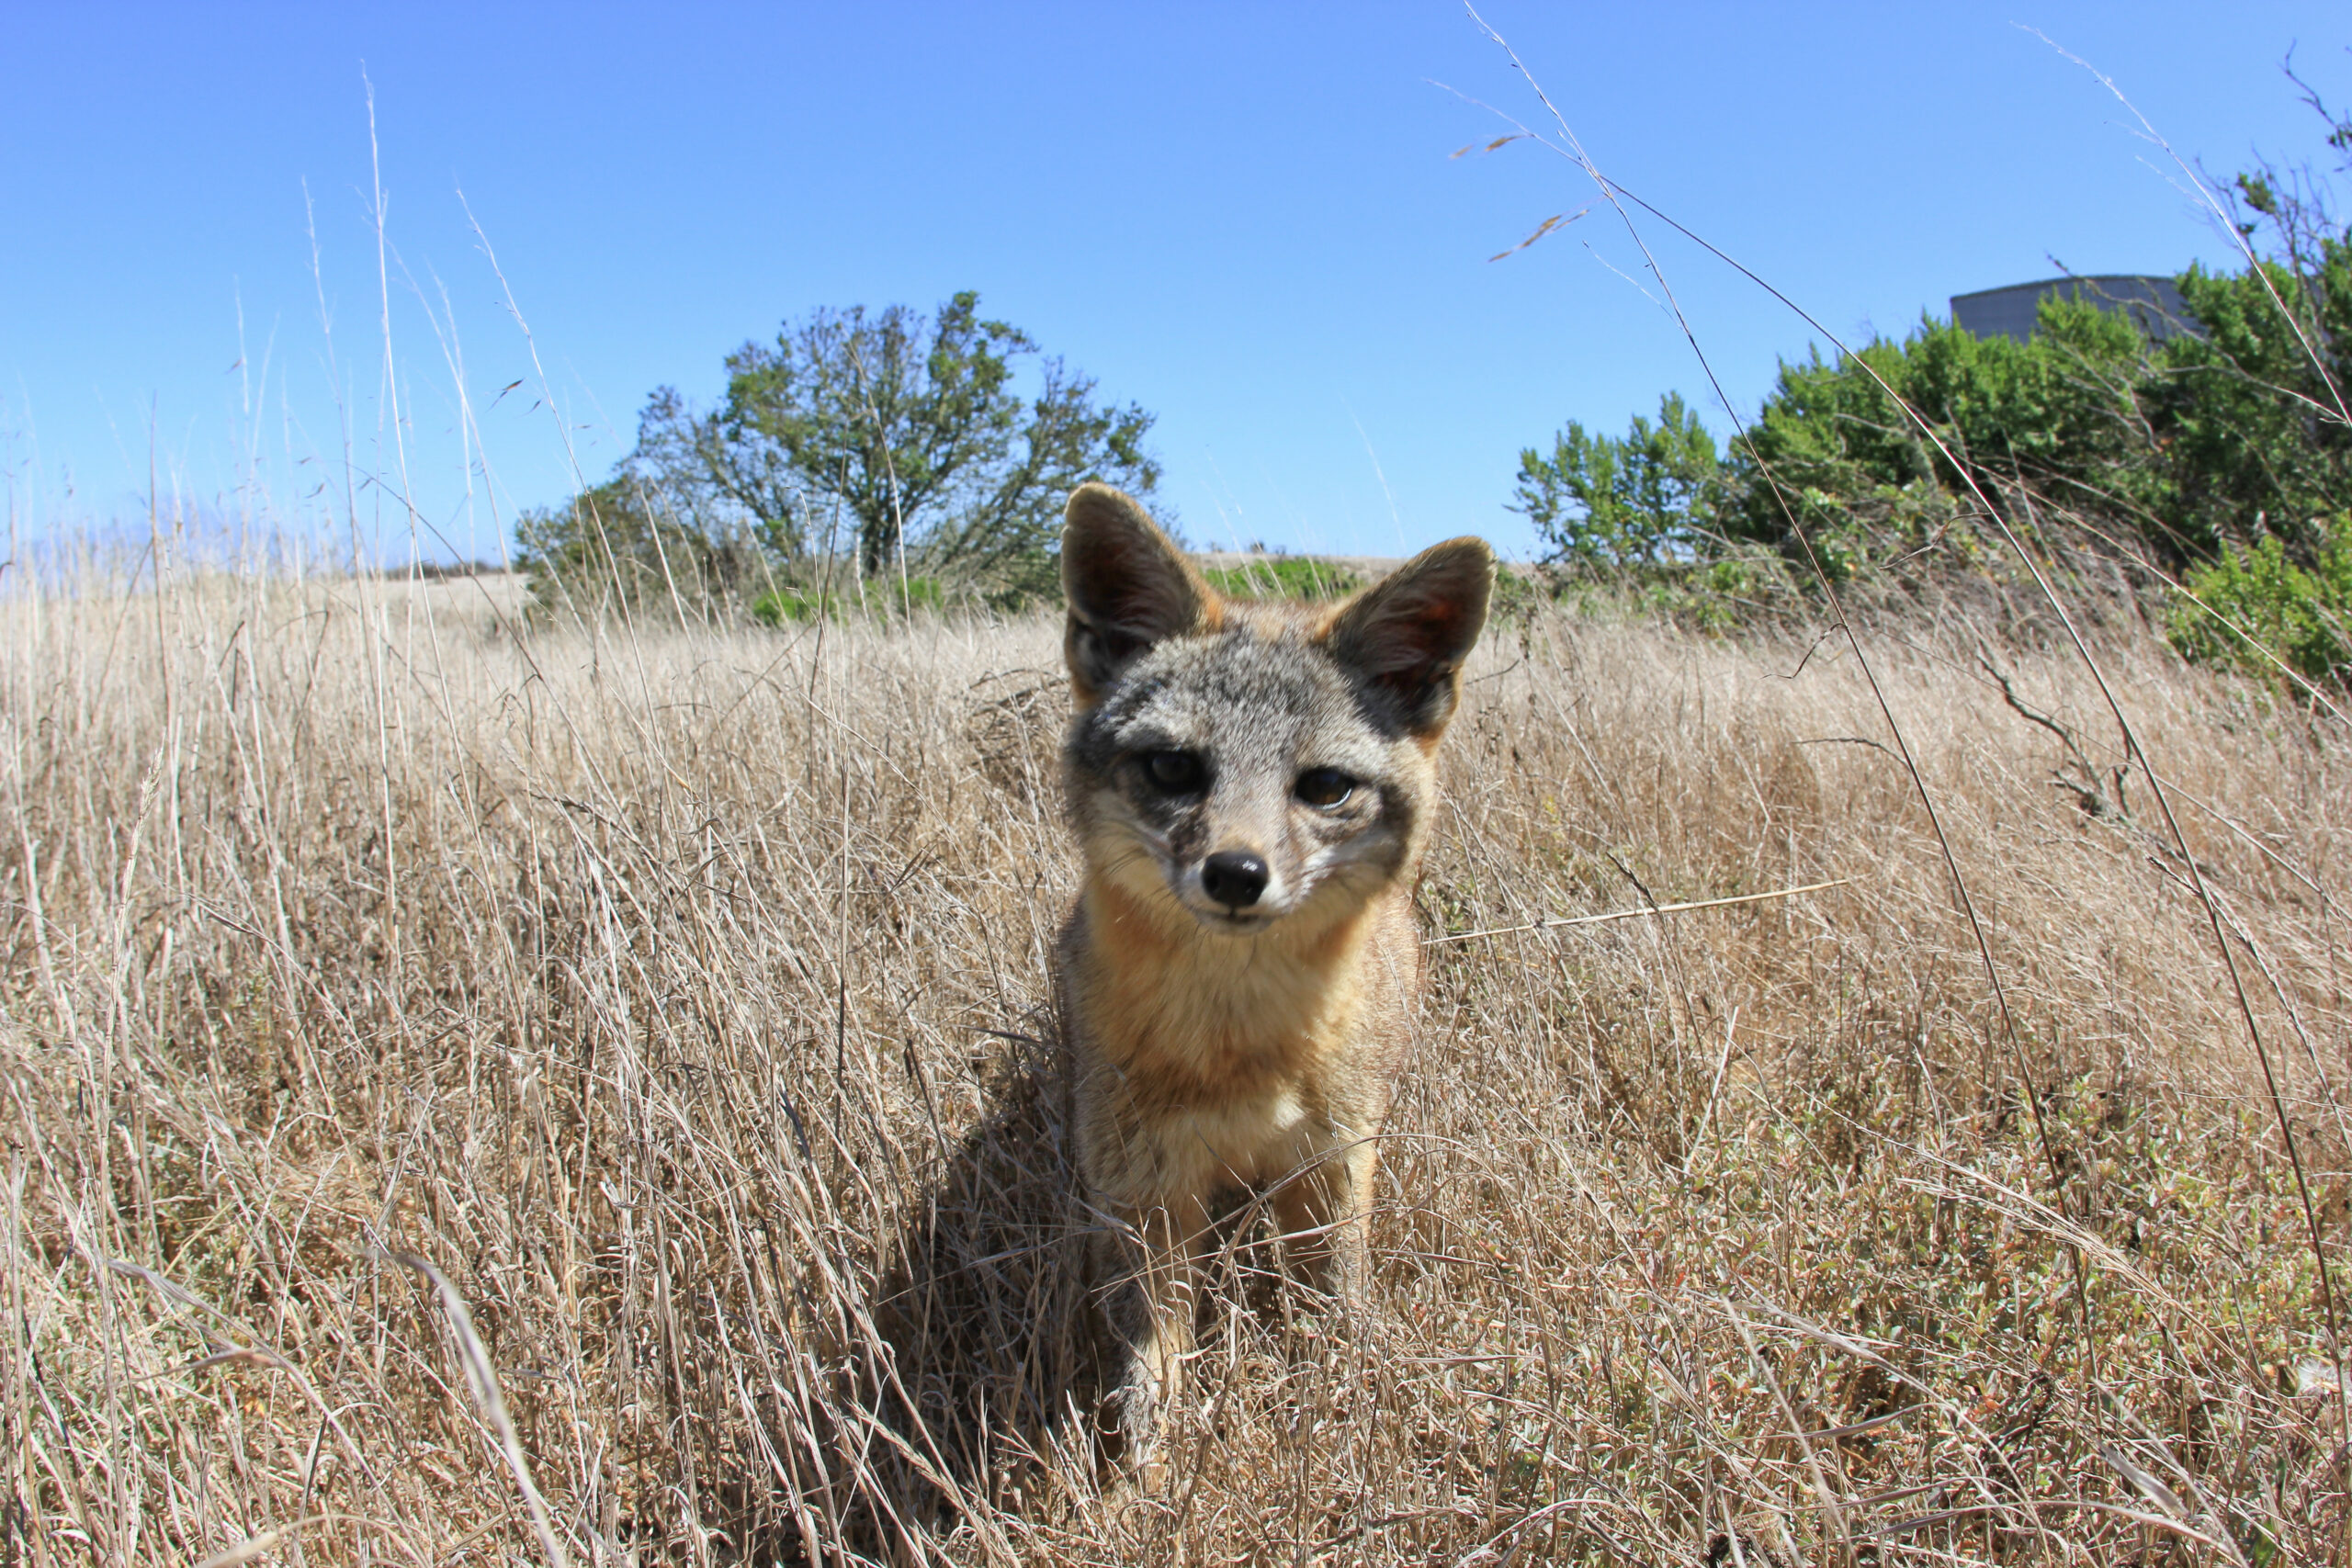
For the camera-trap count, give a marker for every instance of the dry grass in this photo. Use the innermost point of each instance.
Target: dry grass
(593, 1100)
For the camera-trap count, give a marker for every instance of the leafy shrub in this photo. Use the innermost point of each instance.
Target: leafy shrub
(2191, 451)
(1517, 593)
(2302, 614)
(2067, 415)
(2250, 424)
(1713, 593)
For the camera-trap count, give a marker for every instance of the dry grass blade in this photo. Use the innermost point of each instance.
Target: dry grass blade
(1558, 220)
(254, 1546)
(2134, 748)
(2175, 1517)
(1557, 922)
(483, 1378)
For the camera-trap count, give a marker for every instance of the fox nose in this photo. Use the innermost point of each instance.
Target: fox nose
(1233, 877)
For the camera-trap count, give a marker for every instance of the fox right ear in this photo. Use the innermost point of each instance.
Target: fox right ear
(1127, 586)
(1408, 634)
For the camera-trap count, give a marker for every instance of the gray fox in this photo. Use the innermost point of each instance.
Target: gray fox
(1251, 785)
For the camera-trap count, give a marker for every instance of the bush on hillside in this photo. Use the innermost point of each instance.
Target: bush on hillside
(625, 547)
(2300, 615)
(2065, 417)
(2253, 412)
(2219, 454)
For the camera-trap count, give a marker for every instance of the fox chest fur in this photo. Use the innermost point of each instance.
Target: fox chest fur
(1197, 1050)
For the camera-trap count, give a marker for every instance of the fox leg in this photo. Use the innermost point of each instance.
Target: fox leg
(1321, 1213)
(1155, 1279)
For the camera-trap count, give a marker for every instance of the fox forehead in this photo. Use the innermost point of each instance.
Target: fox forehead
(1238, 695)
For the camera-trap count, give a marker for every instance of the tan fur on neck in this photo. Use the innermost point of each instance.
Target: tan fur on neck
(1189, 1014)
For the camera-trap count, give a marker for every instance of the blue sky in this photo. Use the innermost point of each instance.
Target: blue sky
(1243, 217)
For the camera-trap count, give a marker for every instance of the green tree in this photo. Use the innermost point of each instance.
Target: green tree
(1644, 499)
(938, 445)
(912, 428)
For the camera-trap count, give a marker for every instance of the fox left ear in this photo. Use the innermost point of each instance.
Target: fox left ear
(1408, 634)
(1127, 587)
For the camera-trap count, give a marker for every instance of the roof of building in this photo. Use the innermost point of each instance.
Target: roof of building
(2151, 300)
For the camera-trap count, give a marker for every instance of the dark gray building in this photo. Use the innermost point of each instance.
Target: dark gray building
(2153, 302)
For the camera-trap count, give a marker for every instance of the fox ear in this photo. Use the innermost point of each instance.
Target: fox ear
(1128, 585)
(1408, 634)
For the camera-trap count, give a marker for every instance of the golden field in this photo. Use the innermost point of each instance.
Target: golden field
(477, 1093)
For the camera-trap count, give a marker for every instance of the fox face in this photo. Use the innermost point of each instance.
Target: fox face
(1254, 767)
(1237, 773)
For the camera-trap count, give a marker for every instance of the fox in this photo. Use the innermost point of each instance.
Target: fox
(1251, 786)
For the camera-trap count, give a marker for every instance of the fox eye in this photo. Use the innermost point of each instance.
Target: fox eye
(1177, 773)
(1324, 786)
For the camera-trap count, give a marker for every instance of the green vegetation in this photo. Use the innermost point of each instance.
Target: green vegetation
(2223, 457)
(898, 460)
(1644, 499)
(782, 607)
(620, 543)
(2063, 417)
(1283, 577)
